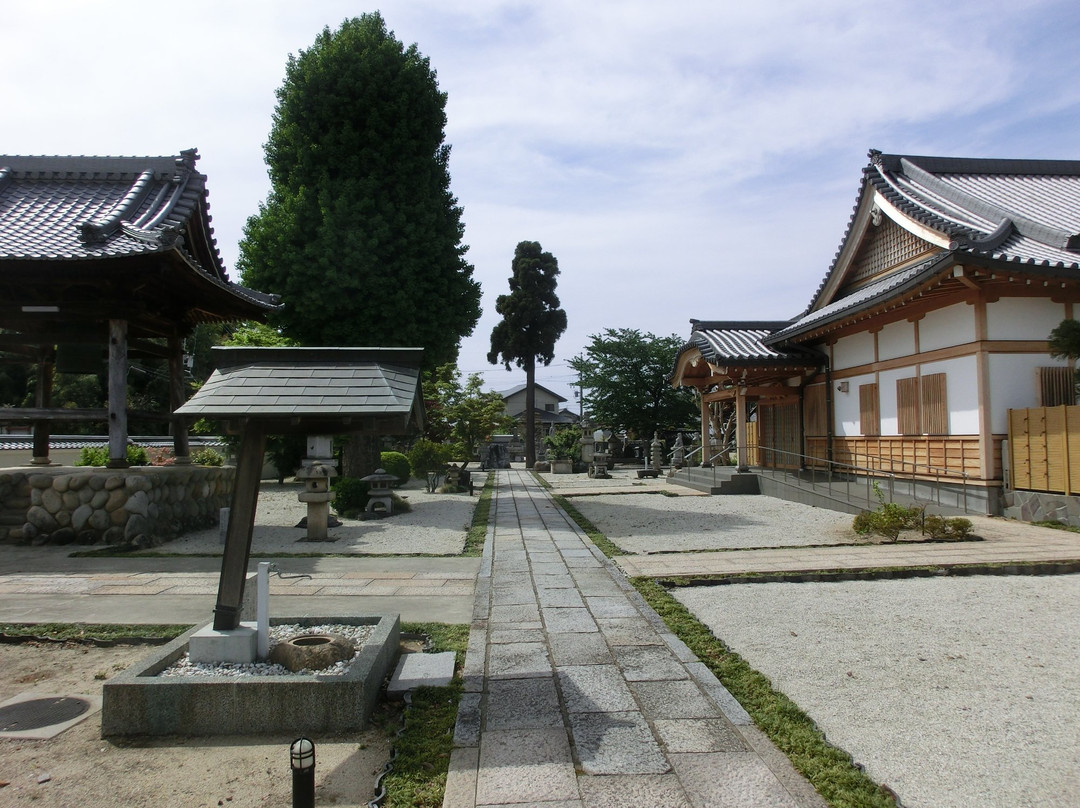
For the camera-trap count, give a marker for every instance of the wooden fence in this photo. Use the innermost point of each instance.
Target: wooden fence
(1044, 449)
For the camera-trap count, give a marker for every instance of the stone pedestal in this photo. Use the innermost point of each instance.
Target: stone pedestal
(238, 645)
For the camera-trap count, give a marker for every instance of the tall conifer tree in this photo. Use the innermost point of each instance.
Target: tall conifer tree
(531, 325)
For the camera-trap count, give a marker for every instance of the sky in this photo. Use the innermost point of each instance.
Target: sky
(689, 159)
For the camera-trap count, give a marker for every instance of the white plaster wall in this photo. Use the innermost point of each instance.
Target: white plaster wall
(896, 339)
(962, 391)
(857, 349)
(943, 328)
(1023, 318)
(846, 405)
(1013, 385)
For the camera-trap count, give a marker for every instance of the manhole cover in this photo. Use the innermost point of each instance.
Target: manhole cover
(38, 713)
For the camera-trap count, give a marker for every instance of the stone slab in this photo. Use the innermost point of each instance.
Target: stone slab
(731, 780)
(419, 670)
(594, 689)
(616, 743)
(522, 704)
(521, 766)
(620, 791)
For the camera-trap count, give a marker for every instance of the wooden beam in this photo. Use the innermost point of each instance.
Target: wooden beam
(118, 368)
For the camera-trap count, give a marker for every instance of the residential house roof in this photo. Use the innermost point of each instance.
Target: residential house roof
(521, 388)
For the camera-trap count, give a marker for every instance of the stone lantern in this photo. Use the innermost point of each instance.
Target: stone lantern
(318, 496)
(379, 493)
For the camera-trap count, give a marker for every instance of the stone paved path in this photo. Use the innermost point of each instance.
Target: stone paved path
(578, 695)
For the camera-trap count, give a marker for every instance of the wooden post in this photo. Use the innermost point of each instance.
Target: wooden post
(237, 551)
(42, 399)
(706, 447)
(118, 367)
(181, 450)
(740, 429)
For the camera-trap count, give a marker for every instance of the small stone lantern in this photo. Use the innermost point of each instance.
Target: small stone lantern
(318, 496)
(379, 493)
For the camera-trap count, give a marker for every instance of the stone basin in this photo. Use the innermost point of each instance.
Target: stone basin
(140, 702)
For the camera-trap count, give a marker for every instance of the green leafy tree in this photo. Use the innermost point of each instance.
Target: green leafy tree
(531, 325)
(1065, 340)
(360, 234)
(625, 375)
(466, 416)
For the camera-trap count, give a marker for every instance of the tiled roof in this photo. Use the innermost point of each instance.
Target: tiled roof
(68, 209)
(743, 343)
(321, 383)
(1022, 212)
(521, 387)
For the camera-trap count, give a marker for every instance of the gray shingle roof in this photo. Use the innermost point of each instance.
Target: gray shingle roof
(743, 343)
(322, 384)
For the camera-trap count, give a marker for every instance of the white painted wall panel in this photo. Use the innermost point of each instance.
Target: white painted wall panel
(887, 398)
(1023, 317)
(896, 339)
(857, 349)
(846, 405)
(952, 325)
(1013, 385)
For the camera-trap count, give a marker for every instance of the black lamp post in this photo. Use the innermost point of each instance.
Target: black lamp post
(302, 760)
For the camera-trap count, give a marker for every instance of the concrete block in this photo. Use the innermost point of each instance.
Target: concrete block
(238, 645)
(418, 670)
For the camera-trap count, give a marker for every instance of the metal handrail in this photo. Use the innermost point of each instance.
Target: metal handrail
(832, 467)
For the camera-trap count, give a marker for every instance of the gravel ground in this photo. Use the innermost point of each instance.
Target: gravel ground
(953, 691)
(652, 523)
(436, 524)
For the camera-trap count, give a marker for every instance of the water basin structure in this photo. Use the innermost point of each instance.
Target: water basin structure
(140, 702)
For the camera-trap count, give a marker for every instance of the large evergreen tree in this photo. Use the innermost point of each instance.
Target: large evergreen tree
(531, 325)
(360, 234)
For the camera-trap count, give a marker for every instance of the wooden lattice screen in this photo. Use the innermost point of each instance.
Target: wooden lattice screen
(885, 246)
(869, 410)
(1056, 385)
(1044, 449)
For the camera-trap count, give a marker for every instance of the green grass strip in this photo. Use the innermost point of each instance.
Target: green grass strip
(91, 632)
(606, 545)
(474, 538)
(418, 779)
(830, 770)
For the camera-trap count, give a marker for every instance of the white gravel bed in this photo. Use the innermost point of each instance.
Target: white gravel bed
(652, 523)
(437, 524)
(955, 691)
(358, 634)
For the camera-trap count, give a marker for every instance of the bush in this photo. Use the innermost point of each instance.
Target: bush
(397, 464)
(954, 529)
(350, 495)
(208, 457)
(888, 520)
(427, 455)
(99, 456)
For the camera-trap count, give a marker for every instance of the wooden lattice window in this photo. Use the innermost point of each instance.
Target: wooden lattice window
(815, 414)
(907, 406)
(1056, 385)
(935, 405)
(869, 410)
(922, 406)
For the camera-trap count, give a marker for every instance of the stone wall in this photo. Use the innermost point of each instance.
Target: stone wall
(144, 505)
(1039, 506)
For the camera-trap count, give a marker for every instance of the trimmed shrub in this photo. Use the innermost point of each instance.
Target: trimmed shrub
(208, 457)
(99, 456)
(350, 496)
(397, 464)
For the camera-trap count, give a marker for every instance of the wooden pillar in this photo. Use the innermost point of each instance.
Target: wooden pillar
(118, 367)
(245, 497)
(42, 400)
(181, 449)
(706, 448)
(740, 429)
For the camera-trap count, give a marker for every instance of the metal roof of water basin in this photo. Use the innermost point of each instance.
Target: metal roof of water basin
(314, 390)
